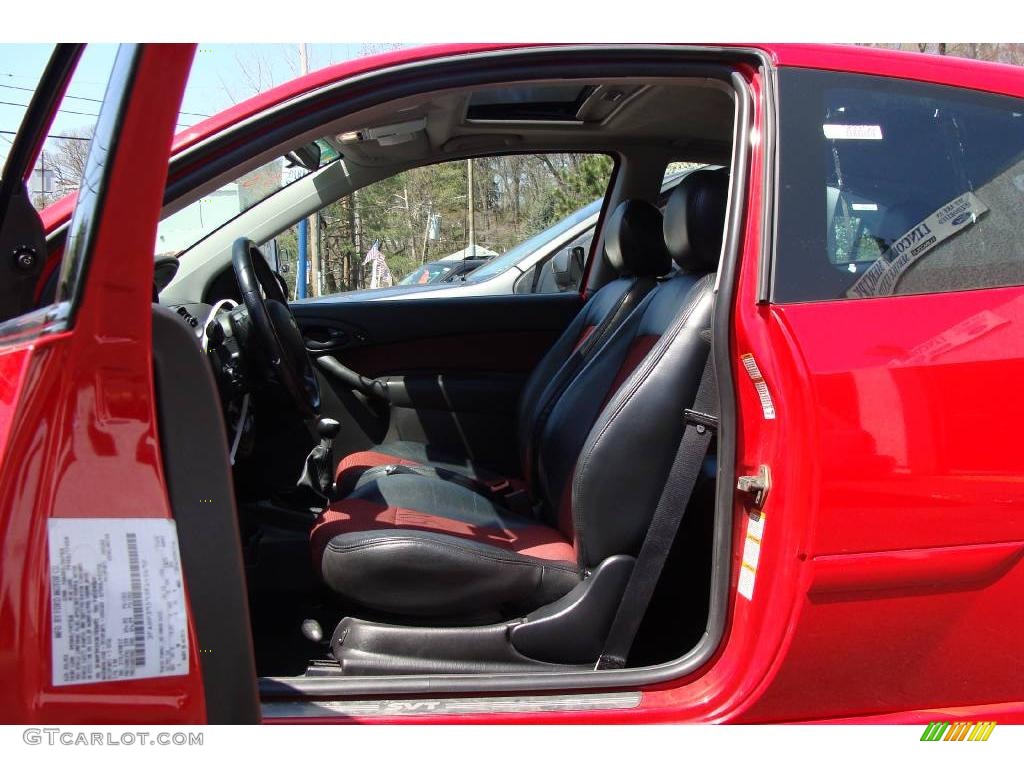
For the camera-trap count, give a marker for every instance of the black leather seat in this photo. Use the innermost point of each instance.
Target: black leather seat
(418, 544)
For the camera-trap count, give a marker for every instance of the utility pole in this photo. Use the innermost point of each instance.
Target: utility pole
(302, 261)
(426, 238)
(317, 272)
(312, 224)
(358, 234)
(471, 212)
(42, 175)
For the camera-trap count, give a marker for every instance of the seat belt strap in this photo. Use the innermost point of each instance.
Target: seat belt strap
(516, 501)
(701, 421)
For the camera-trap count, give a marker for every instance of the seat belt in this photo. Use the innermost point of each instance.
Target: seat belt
(701, 422)
(517, 501)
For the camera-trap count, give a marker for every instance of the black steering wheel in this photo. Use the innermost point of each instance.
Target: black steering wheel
(275, 328)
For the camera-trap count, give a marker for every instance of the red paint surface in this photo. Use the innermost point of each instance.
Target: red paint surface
(904, 571)
(904, 561)
(79, 423)
(928, 68)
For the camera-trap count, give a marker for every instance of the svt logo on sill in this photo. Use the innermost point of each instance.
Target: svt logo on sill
(958, 731)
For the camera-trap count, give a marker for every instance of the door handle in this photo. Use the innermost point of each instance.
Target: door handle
(326, 339)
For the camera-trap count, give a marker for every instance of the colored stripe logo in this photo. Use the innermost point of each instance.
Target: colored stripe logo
(958, 731)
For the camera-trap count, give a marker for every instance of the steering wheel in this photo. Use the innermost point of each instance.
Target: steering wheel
(275, 327)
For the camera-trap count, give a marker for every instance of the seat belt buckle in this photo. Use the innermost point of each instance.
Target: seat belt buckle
(702, 421)
(498, 486)
(518, 502)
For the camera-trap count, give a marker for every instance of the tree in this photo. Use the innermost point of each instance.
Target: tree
(66, 161)
(515, 197)
(1005, 53)
(587, 182)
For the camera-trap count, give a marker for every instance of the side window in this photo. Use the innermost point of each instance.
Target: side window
(889, 187)
(489, 221)
(61, 162)
(562, 269)
(51, 103)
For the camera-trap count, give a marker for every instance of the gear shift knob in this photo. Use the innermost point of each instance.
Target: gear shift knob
(328, 429)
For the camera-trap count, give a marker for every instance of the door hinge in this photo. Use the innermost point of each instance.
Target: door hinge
(757, 486)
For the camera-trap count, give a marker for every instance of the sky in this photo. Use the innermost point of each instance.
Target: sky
(222, 75)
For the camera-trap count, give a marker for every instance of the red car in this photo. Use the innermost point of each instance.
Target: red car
(219, 506)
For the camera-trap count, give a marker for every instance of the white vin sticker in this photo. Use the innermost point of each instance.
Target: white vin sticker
(117, 600)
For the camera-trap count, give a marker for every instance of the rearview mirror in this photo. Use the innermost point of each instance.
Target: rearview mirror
(307, 156)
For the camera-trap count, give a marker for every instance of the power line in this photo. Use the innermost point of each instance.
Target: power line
(74, 112)
(54, 136)
(35, 79)
(86, 98)
(68, 111)
(33, 90)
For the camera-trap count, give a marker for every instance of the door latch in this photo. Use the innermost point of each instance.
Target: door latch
(757, 486)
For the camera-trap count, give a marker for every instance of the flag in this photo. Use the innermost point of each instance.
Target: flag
(380, 274)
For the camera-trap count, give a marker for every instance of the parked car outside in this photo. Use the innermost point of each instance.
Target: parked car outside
(441, 271)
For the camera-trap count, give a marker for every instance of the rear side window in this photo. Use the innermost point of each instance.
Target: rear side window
(888, 187)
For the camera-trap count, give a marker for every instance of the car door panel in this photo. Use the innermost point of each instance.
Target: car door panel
(454, 367)
(891, 542)
(83, 421)
(914, 550)
(456, 333)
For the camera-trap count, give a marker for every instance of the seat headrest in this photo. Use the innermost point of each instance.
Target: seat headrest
(695, 218)
(634, 243)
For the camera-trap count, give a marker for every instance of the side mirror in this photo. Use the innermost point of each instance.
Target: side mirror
(579, 257)
(567, 267)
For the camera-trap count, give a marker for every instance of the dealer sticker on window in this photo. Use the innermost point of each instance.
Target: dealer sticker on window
(955, 216)
(841, 131)
(117, 600)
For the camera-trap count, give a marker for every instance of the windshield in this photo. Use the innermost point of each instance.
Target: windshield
(428, 273)
(517, 253)
(183, 229)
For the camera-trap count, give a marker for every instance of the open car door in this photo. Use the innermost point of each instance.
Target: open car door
(105, 613)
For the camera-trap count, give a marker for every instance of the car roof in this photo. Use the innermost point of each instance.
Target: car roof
(945, 70)
(949, 70)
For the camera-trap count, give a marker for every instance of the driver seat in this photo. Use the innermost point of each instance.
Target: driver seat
(418, 544)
